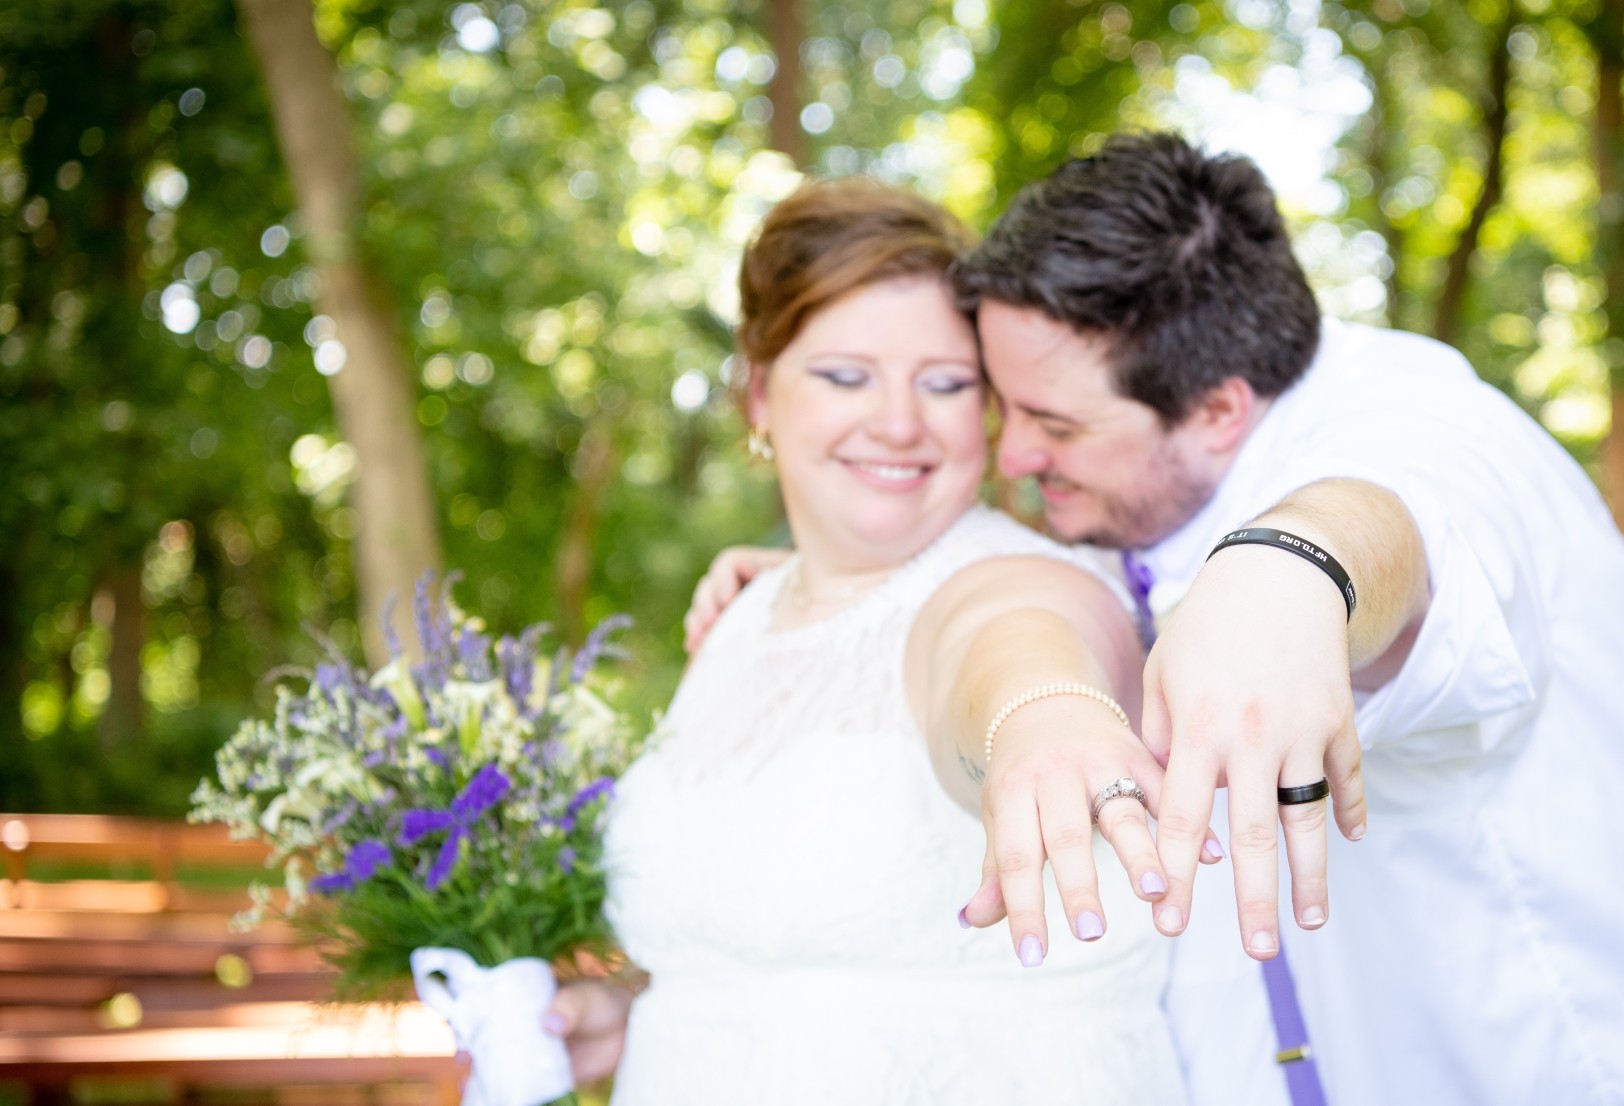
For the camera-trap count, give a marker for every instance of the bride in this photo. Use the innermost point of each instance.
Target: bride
(924, 683)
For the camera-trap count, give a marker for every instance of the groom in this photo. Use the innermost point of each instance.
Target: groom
(1356, 563)
(1366, 566)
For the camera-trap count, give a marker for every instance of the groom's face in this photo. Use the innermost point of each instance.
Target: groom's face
(1110, 472)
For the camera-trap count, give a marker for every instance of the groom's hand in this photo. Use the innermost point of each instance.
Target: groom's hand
(733, 568)
(1249, 687)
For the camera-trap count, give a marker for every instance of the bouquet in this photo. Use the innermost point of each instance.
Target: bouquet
(438, 820)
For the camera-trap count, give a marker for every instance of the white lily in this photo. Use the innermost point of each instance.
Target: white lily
(465, 703)
(396, 678)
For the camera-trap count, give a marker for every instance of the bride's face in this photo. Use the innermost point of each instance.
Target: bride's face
(875, 411)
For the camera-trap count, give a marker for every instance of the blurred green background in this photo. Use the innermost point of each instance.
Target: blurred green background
(546, 200)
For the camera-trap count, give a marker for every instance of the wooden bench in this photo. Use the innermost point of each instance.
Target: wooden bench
(118, 962)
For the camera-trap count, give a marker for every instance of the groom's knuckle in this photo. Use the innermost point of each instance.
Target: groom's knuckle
(1178, 823)
(1306, 817)
(1253, 837)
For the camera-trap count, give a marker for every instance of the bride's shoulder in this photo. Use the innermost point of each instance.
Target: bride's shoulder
(998, 533)
(994, 537)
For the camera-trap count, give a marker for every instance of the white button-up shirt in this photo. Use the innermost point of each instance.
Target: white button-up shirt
(1475, 950)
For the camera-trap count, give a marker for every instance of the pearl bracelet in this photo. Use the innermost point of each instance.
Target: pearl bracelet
(1043, 691)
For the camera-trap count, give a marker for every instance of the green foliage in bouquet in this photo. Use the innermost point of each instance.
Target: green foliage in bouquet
(452, 802)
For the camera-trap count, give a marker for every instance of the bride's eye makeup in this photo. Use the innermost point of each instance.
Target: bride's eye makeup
(842, 376)
(948, 383)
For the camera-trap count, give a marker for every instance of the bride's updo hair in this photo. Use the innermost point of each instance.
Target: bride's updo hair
(829, 238)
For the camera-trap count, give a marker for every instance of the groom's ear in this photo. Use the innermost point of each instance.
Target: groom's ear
(1225, 415)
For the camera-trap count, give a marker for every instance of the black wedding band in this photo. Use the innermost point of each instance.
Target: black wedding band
(1307, 793)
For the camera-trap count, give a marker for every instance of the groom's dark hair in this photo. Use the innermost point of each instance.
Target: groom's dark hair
(1179, 258)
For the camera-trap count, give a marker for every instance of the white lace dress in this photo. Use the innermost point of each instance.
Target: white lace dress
(786, 867)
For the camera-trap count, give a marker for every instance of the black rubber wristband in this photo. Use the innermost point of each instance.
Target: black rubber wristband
(1307, 550)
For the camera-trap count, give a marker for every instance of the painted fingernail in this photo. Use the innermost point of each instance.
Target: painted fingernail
(1262, 943)
(1313, 916)
(1213, 849)
(1357, 833)
(1169, 919)
(1090, 926)
(1151, 884)
(964, 920)
(553, 1023)
(1031, 952)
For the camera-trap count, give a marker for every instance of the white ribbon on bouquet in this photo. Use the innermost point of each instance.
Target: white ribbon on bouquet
(495, 1014)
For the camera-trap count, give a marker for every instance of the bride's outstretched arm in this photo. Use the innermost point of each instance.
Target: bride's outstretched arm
(1040, 656)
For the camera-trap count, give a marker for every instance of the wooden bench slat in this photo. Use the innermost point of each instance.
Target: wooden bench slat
(336, 1033)
(152, 957)
(67, 925)
(120, 897)
(34, 1021)
(70, 945)
(182, 993)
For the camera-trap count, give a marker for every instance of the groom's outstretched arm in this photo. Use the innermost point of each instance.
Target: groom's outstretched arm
(1251, 686)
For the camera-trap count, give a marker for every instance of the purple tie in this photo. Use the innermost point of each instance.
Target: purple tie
(1139, 580)
(1302, 1076)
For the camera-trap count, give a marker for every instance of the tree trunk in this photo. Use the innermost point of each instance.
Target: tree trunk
(1446, 317)
(397, 537)
(593, 469)
(1606, 33)
(784, 33)
(124, 713)
(1379, 159)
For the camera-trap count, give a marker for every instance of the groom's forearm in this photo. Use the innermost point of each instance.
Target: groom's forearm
(1372, 534)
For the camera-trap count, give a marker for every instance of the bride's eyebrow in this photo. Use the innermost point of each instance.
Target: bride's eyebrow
(839, 355)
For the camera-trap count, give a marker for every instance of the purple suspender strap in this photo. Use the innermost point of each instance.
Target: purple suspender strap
(1302, 1077)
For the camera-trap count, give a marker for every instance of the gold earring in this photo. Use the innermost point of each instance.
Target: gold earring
(759, 445)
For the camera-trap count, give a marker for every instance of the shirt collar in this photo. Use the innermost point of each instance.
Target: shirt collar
(1179, 556)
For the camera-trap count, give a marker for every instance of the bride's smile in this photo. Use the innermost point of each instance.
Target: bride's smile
(875, 412)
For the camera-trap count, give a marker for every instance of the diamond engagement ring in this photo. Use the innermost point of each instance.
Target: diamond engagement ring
(1121, 788)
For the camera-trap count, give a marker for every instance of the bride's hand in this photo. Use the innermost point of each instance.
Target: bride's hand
(733, 568)
(591, 1016)
(1050, 760)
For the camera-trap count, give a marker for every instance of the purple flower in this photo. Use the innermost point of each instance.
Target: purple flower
(387, 618)
(484, 791)
(360, 865)
(587, 794)
(332, 883)
(516, 664)
(445, 860)
(597, 645)
(474, 651)
(605, 786)
(366, 858)
(418, 824)
(328, 677)
(566, 859)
